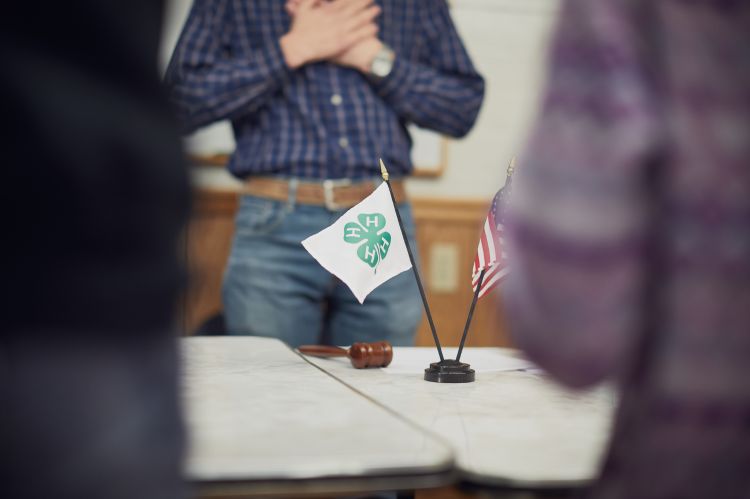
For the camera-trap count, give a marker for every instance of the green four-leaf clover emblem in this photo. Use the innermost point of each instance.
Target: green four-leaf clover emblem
(373, 244)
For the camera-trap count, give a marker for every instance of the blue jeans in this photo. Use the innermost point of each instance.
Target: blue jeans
(274, 288)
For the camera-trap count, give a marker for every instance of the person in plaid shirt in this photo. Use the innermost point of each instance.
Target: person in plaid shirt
(316, 92)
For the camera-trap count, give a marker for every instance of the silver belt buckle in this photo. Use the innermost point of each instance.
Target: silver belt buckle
(328, 192)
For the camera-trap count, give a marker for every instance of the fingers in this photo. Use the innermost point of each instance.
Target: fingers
(363, 18)
(349, 7)
(303, 5)
(361, 33)
(292, 7)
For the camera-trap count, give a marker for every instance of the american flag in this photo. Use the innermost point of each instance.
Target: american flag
(491, 256)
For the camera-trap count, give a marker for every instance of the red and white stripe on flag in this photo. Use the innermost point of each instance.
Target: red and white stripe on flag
(490, 257)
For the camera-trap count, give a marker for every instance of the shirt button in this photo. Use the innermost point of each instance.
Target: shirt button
(344, 142)
(336, 100)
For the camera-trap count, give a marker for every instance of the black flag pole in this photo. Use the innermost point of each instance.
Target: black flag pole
(386, 177)
(471, 314)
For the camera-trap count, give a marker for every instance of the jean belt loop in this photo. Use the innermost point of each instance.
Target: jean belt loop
(292, 202)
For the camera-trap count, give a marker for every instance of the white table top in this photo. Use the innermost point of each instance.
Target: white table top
(258, 412)
(506, 428)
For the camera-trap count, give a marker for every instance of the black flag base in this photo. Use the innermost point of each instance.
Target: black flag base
(449, 371)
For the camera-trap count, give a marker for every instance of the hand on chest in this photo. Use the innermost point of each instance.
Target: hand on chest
(259, 22)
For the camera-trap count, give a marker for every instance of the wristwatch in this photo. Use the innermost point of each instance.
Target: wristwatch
(382, 64)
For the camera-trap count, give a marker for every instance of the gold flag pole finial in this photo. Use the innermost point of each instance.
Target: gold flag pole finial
(383, 170)
(511, 166)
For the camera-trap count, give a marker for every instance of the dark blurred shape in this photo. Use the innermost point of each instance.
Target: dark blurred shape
(90, 420)
(95, 196)
(630, 231)
(95, 186)
(213, 326)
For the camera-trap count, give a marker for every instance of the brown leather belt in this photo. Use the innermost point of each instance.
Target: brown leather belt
(333, 194)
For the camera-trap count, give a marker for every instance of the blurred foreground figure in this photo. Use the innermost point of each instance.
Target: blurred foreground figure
(94, 196)
(631, 230)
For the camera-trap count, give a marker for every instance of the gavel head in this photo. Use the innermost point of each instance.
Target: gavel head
(378, 354)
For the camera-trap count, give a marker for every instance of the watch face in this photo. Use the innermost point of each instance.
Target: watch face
(382, 64)
(381, 67)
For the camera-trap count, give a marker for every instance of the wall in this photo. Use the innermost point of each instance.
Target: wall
(507, 40)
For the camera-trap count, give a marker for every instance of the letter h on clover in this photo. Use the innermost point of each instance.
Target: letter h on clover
(373, 244)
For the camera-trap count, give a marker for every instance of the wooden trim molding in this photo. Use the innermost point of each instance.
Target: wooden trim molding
(449, 210)
(226, 201)
(217, 160)
(215, 202)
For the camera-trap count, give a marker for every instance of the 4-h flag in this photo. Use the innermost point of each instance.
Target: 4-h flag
(364, 248)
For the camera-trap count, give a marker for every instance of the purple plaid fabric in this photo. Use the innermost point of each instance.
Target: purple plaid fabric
(630, 236)
(321, 121)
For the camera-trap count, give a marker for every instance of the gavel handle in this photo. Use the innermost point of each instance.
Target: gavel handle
(323, 351)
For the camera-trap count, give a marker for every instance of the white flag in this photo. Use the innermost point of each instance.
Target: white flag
(364, 248)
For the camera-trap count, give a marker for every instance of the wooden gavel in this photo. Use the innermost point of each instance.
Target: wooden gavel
(362, 355)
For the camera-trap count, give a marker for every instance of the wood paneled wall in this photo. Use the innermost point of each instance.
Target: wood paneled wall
(209, 239)
(455, 224)
(449, 223)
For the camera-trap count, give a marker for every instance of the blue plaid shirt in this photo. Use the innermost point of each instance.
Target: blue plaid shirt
(321, 121)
